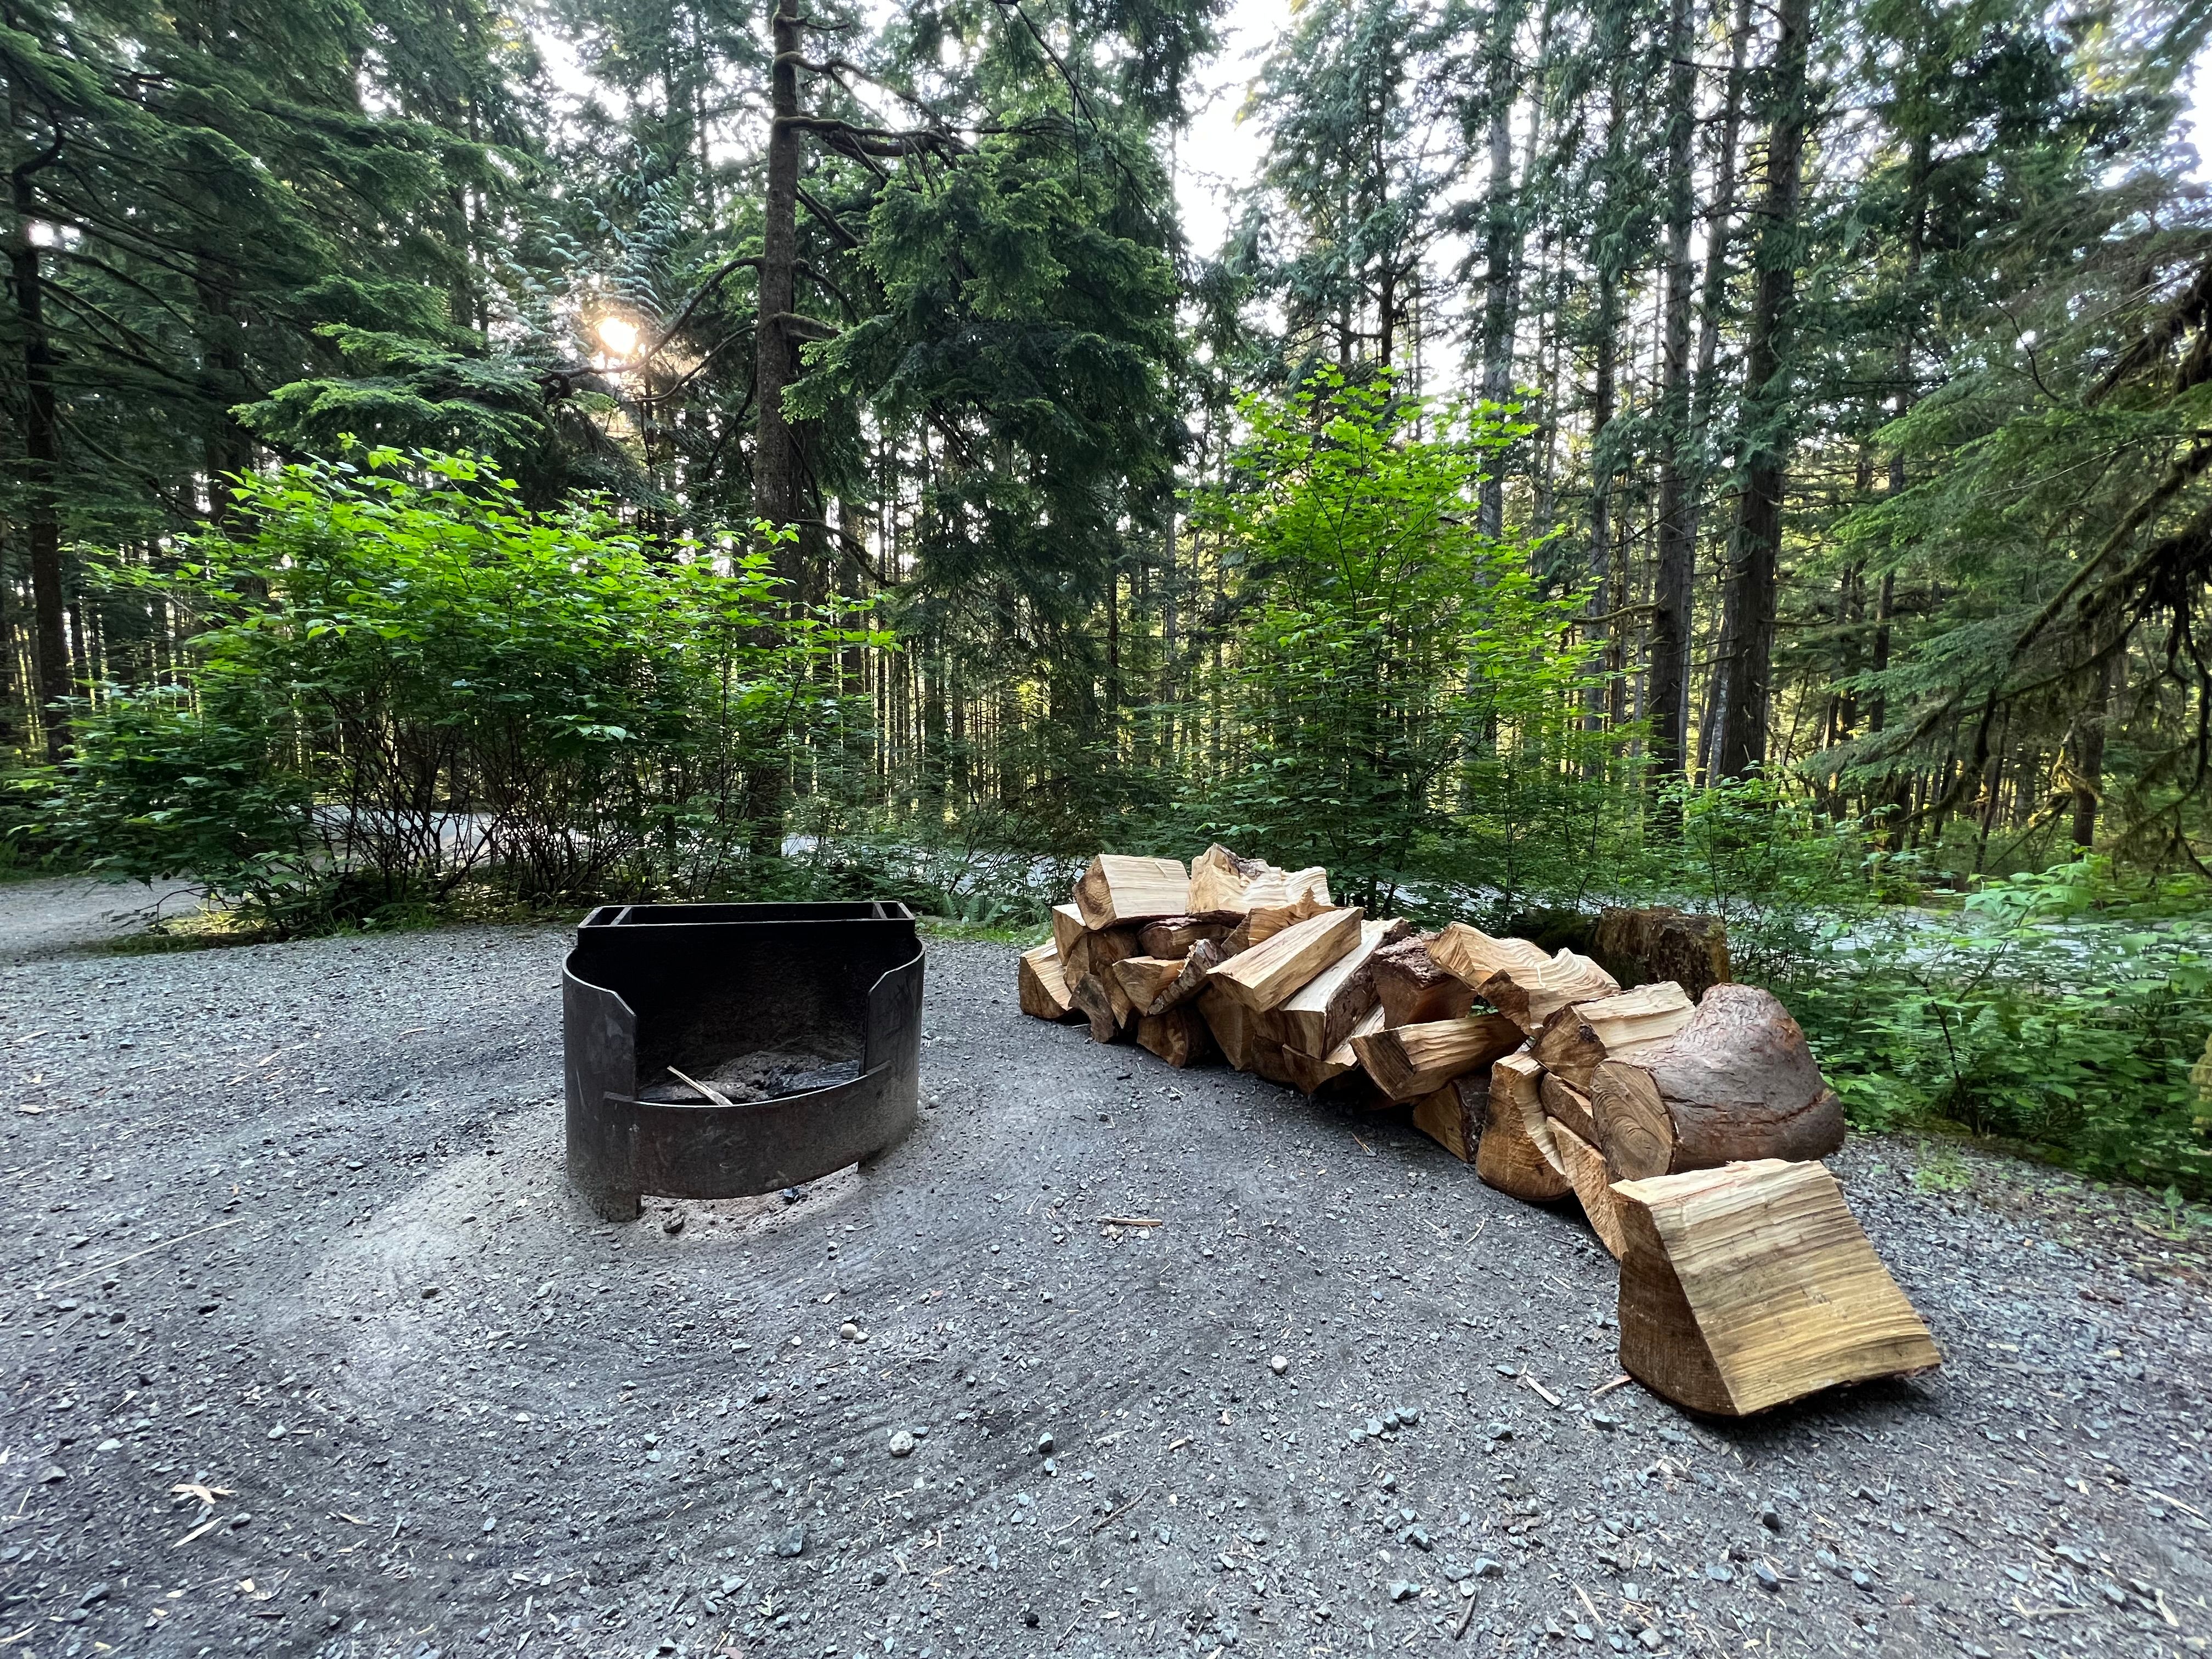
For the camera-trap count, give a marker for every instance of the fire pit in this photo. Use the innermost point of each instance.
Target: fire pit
(719, 1050)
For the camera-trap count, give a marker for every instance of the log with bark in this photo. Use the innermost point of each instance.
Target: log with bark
(1119, 889)
(1472, 956)
(1593, 1185)
(1043, 989)
(1529, 996)
(1517, 1155)
(1414, 988)
(1657, 942)
(1408, 1061)
(1271, 973)
(1453, 1116)
(1574, 1039)
(1178, 1035)
(1326, 1008)
(1736, 1082)
(1171, 936)
(1750, 1286)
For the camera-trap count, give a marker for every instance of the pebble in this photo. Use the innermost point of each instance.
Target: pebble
(1402, 1589)
(1044, 1444)
(1651, 1638)
(1486, 1568)
(1280, 1363)
(1768, 1578)
(793, 1542)
(848, 1332)
(673, 1223)
(902, 1442)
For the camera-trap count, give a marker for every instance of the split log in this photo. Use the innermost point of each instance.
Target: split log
(1453, 1116)
(1269, 1061)
(1745, 1287)
(1472, 956)
(1529, 996)
(1326, 1007)
(1119, 889)
(1171, 936)
(1414, 988)
(1218, 880)
(1577, 1038)
(1154, 985)
(1090, 994)
(1094, 957)
(1408, 1061)
(1068, 929)
(1313, 1076)
(1517, 1155)
(1737, 1082)
(1642, 946)
(1264, 922)
(1179, 1036)
(1230, 1022)
(1568, 1105)
(1270, 974)
(1274, 888)
(1593, 1185)
(1044, 991)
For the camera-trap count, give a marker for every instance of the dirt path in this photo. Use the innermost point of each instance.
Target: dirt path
(289, 1232)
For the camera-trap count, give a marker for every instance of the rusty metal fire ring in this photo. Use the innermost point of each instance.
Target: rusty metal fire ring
(721, 1050)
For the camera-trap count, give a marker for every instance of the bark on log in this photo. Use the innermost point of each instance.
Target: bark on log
(1094, 957)
(1518, 1155)
(1179, 1036)
(1593, 1185)
(1271, 973)
(1745, 1287)
(1453, 1116)
(1577, 1037)
(1737, 1082)
(1414, 988)
(1408, 1061)
(1529, 996)
(1119, 889)
(1643, 946)
(1043, 990)
(1329, 1005)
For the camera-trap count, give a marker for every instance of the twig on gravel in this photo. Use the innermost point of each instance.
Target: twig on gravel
(1124, 1509)
(1605, 1389)
(1127, 1220)
(1542, 1393)
(1466, 1618)
(706, 1089)
(1590, 1607)
(135, 1254)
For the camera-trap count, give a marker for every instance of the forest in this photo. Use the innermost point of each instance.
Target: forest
(1757, 457)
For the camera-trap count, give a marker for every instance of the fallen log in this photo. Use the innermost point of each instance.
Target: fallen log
(1569, 1104)
(1171, 936)
(1414, 988)
(1736, 1082)
(1408, 1061)
(1657, 942)
(1119, 889)
(1517, 1154)
(1593, 1185)
(1042, 988)
(1178, 1035)
(1273, 971)
(1326, 1008)
(1453, 1116)
(1529, 996)
(1744, 1287)
(1472, 956)
(1577, 1037)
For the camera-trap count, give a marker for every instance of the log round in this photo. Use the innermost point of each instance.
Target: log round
(1737, 1083)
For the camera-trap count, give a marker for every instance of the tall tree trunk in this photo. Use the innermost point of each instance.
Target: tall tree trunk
(1670, 677)
(776, 447)
(1769, 419)
(41, 450)
(2085, 749)
(1501, 247)
(1606, 231)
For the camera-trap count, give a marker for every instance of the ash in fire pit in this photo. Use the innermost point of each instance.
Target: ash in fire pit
(805, 1019)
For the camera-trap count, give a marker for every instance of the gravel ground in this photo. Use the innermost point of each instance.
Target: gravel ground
(310, 1349)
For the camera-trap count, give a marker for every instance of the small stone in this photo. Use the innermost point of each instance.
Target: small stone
(1280, 1363)
(1391, 1420)
(902, 1442)
(1584, 1633)
(878, 1578)
(792, 1194)
(109, 1445)
(837, 1463)
(1860, 1580)
(1771, 1518)
(1409, 1415)
(1029, 1617)
(1768, 1578)
(792, 1542)
(1721, 1573)
(1603, 1421)
(93, 1595)
(1372, 1427)
(848, 1332)
(1044, 1444)
(279, 1433)
(1651, 1638)
(239, 1523)
(673, 1223)
(2114, 1594)
(490, 1525)
(1402, 1589)
(1486, 1568)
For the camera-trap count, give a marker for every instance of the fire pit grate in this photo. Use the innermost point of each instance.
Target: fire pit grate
(805, 1019)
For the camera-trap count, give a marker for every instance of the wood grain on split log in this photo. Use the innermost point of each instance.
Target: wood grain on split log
(1517, 1154)
(1171, 936)
(1747, 1286)
(1472, 956)
(1593, 1185)
(1579, 1036)
(1264, 922)
(1043, 989)
(1737, 1082)
(1230, 1022)
(1151, 991)
(1094, 957)
(1273, 971)
(1414, 988)
(1178, 1035)
(1529, 996)
(1569, 1104)
(1218, 879)
(1453, 1116)
(1324, 1009)
(1107, 1024)
(1119, 889)
(1067, 931)
(1408, 1061)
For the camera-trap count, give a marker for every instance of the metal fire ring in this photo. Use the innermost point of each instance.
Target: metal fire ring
(694, 987)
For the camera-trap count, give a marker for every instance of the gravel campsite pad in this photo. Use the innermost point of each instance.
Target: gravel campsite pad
(311, 1349)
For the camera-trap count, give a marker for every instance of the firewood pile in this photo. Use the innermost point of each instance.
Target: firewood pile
(1684, 1112)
